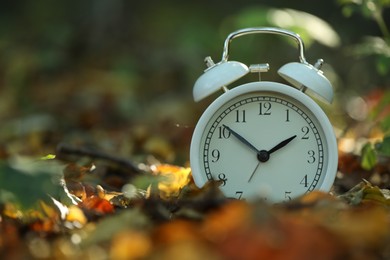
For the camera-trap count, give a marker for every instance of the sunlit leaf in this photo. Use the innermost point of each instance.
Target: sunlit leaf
(369, 157)
(310, 27)
(48, 157)
(175, 178)
(305, 24)
(76, 215)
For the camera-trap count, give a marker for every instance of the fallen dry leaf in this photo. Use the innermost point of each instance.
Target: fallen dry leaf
(173, 180)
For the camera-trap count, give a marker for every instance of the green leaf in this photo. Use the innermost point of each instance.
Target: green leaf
(309, 27)
(385, 124)
(369, 157)
(25, 181)
(384, 147)
(48, 157)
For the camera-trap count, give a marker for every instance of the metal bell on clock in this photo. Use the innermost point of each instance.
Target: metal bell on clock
(305, 76)
(216, 76)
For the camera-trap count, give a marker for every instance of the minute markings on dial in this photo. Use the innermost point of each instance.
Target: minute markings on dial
(219, 120)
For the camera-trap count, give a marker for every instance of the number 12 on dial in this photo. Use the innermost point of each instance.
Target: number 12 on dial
(264, 140)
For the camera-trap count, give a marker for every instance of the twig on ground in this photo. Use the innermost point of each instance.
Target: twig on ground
(64, 149)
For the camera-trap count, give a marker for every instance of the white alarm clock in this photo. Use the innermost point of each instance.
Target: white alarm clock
(264, 139)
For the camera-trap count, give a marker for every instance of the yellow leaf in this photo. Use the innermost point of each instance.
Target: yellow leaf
(76, 215)
(175, 178)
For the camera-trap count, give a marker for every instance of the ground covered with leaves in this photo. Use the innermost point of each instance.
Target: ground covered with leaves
(101, 206)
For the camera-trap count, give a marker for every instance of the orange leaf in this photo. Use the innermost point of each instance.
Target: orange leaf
(98, 205)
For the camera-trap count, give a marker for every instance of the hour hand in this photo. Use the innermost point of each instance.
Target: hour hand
(281, 144)
(241, 139)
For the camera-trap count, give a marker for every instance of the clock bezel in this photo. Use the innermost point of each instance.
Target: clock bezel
(198, 172)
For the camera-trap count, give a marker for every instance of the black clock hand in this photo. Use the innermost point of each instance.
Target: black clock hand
(241, 139)
(264, 155)
(281, 144)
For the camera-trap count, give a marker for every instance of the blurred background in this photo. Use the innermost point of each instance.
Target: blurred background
(117, 76)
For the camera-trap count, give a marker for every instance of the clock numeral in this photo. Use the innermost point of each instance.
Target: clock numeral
(223, 133)
(240, 117)
(287, 115)
(304, 181)
(222, 179)
(216, 155)
(265, 108)
(305, 130)
(239, 194)
(287, 195)
(311, 159)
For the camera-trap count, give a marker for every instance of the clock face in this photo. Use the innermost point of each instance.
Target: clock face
(264, 140)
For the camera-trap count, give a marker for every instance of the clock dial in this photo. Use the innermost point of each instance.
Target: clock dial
(264, 144)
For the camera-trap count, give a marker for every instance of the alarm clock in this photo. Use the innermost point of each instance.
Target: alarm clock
(264, 140)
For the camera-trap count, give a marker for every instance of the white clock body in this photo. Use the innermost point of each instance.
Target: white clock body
(264, 140)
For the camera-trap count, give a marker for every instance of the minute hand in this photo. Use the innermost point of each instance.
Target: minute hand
(281, 144)
(241, 139)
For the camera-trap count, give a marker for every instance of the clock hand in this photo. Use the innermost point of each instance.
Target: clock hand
(281, 144)
(253, 173)
(264, 155)
(241, 139)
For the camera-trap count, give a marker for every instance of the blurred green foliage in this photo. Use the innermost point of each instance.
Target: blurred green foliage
(379, 47)
(95, 72)
(376, 46)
